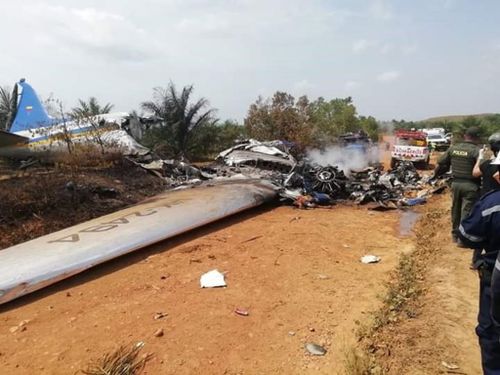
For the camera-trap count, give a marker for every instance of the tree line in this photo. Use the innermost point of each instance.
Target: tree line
(457, 125)
(191, 129)
(188, 128)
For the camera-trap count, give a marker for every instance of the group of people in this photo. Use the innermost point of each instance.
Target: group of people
(476, 225)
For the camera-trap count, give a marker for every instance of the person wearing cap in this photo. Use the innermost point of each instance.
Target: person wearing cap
(461, 157)
(481, 230)
(485, 168)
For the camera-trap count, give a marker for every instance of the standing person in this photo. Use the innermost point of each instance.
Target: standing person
(431, 146)
(485, 168)
(461, 157)
(481, 230)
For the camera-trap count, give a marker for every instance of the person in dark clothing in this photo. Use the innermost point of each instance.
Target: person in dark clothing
(484, 168)
(481, 230)
(461, 157)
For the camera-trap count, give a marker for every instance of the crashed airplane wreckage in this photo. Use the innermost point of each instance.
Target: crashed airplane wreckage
(245, 176)
(305, 183)
(32, 132)
(242, 177)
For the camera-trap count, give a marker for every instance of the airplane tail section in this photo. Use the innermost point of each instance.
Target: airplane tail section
(30, 112)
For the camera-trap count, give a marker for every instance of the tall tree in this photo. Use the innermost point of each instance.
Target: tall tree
(280, 118)
(370, 125)
(5, 106)
(90, 108)
(181, 118)
(307, 124)
(334, 117)
(209, 140)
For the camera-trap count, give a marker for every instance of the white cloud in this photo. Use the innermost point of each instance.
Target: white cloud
(277, 18)
(234, 50)
(302, 87)
(495, 46)
(100, 33)
(363, 45)
(386, 48)
(409, 49)
(360, 45)
(448, 4)
(352, 85)
(381, 9)
(388, 76)
(205, 24)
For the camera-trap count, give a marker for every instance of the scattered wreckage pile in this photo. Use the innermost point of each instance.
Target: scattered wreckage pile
(304, 182)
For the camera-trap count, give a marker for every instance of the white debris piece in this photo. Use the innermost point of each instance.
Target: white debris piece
(450, 366)
(212, 279)
(370, 259)
(255, 152)
(122, 140)
(315, 349)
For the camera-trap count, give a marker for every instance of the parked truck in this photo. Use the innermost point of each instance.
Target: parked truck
(436, 137)
(410, 145)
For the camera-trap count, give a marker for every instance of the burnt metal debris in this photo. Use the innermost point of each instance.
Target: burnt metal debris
(304, 182)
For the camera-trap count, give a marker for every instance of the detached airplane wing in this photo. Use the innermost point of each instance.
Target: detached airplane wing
(35, 264)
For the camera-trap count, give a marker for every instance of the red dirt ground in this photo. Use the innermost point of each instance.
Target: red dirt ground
(297, 272)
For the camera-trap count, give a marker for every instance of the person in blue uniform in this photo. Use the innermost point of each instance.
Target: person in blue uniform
(481, 230)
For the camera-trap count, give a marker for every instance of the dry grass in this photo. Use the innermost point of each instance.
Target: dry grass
(401, 290)
(399, 303)
(85, 156)
(123, 361)
(356, 363)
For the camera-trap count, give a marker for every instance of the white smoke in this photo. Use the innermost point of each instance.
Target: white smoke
(346, 159)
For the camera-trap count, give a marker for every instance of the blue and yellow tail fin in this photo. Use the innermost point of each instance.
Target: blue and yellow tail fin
(30, 112)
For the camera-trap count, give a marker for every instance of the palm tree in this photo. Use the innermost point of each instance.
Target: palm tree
(90, 108)
(180, 118)
(6, 105)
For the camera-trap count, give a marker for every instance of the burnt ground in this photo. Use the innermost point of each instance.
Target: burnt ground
(42, 199)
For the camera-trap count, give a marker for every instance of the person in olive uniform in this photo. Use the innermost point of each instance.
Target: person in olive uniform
(461, 157)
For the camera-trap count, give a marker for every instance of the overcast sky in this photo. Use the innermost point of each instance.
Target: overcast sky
(397, 59)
